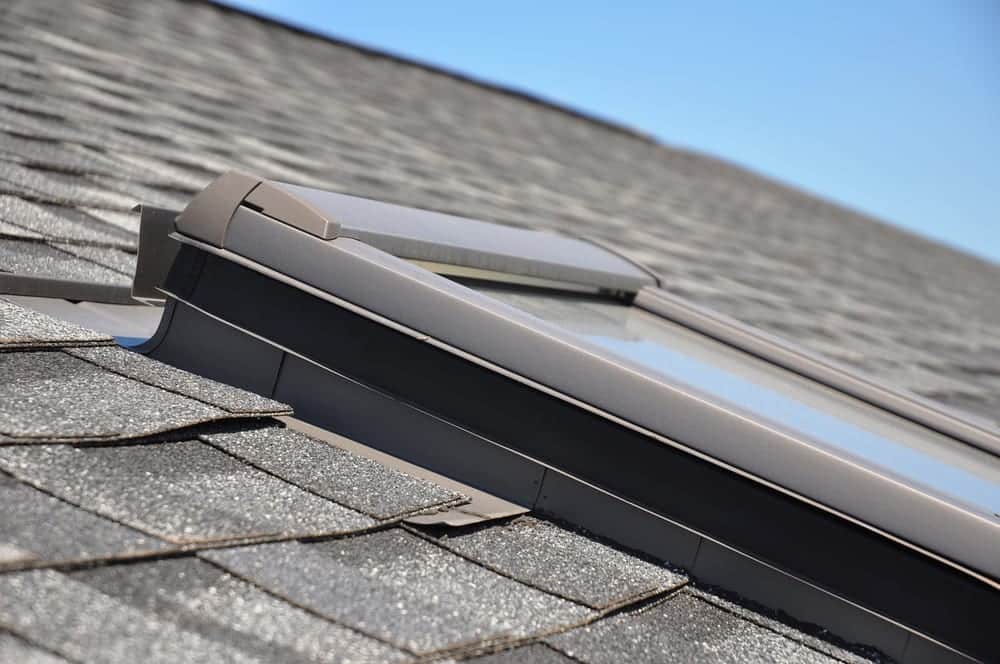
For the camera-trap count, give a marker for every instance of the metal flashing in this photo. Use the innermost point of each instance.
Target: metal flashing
(156, 252)
(67, 289)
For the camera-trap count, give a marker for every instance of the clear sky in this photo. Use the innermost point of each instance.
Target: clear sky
(891, 107)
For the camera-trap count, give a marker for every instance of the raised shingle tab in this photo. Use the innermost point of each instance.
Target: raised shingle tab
(351, 480)
(185, 491)
(564, 563)
(402, 589)
(52, 396)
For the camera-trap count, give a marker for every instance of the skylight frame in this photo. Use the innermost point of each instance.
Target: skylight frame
(441, 313)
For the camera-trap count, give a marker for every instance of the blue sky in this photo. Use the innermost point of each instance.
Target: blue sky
(892, 108)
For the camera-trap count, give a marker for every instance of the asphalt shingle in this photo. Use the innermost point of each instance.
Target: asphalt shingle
(25, 328)
(42, 260)
(681, 629)
(69, 533)
(120, 261)
(534, 653)
(183, 491)
(202, 598)
(347, 478)
(53, 396)
(402, 589)
(16, 649)
(66, 616)
(141, 368)
(563, 562)
(62, 224)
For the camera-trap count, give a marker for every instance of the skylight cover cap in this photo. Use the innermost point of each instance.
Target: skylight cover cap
(410, 233)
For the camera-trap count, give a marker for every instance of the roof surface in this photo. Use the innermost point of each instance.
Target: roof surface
(190, 525)
(197, 528)
(110, 104)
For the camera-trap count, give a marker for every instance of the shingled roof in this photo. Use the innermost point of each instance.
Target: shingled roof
(184, 518)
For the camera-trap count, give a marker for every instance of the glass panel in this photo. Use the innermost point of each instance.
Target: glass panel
(936, 463)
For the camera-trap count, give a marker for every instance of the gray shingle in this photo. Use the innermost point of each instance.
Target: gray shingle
(139, 367)
(535, 653)
(202, 598)
(563, 563)
(41, 260)
(109, 257)
(184, 492)
(25, 328)
(68, 190)
(402, 589)
(347, 478)
(13, 231)
(51, 396)
(681, 629)
(60, 614)
(15, 649)
(36, 528)
(777, 626)
(62, 224)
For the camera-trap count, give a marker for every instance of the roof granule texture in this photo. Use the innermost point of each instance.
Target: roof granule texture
(563, 562)
(182, 491)
(402, 589)
(75, 620)
(139, 367)
(36, 528)
(339, 475)
(47, 396)
(202, 598)
(25, 328)
(682, 629)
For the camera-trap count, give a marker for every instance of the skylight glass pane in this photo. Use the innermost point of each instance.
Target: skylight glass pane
(893, 446)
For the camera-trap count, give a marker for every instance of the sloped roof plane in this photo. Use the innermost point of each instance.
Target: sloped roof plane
(183, 521)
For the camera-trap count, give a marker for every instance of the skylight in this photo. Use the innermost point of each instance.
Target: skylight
(545, 367)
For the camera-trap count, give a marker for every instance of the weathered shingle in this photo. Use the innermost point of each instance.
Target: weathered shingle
(47, 396)
(52, 396)
(682, 629)
(56, 396)
(74, 620)
(351, 480)
(139, 367)
(402, 589)
(38, 528)
(25, 328)
(535, 653)
(182, 491)
(112, 258)
(562, 562)
(62, 224)
(16, 649)
(200, 597)
(42, 260)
